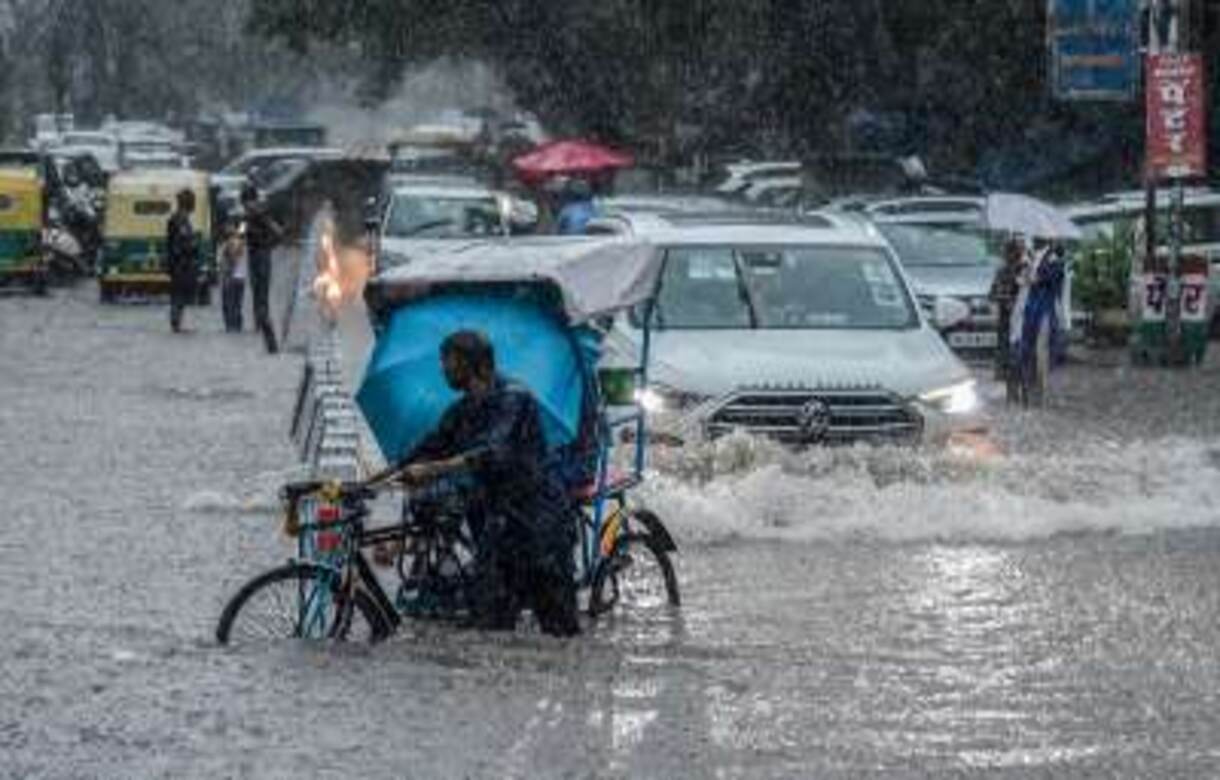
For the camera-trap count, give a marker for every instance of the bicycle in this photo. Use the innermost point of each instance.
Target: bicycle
(331, 591)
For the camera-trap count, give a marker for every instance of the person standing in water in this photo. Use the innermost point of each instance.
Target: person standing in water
(263, 234)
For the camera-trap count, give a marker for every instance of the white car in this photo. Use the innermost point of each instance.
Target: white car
(434, 211)
(805, 330)
(103, 146)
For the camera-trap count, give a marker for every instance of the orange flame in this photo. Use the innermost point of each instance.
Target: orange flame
(341, 270)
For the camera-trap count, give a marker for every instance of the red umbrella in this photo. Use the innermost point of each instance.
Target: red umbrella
(568, 158)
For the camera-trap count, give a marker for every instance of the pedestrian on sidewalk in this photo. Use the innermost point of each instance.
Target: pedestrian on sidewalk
(181, 257)
(231, 261)
(263, 234)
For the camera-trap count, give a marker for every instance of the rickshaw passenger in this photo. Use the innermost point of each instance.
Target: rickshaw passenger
(523, 521)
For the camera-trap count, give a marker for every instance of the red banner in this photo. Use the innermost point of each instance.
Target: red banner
(1176, 134)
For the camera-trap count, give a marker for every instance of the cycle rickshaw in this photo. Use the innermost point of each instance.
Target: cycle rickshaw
(545, 305)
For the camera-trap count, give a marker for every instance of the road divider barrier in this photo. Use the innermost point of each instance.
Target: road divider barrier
(325, 426)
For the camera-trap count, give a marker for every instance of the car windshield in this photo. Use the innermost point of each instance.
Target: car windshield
(805, 287)
(922, 245)
(442, 216)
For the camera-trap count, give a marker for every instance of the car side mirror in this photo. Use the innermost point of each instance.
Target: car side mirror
(949, 312)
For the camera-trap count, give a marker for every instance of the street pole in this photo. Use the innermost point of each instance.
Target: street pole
(1165, 37)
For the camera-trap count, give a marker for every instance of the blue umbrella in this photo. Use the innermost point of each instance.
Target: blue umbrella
(404, 393)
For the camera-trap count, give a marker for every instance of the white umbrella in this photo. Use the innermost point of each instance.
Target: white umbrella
(1014, 213)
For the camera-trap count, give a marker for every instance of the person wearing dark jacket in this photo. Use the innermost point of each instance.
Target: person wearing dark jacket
(1004, 289)
(522, 519)
(262, 236)
(182, 257)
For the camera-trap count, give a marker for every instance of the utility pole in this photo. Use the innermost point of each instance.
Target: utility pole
(1166, 20)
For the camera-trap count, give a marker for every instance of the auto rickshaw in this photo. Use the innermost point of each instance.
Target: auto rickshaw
(22, 209)
(138, 207)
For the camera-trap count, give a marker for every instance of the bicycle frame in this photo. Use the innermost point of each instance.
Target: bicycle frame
(594, 531)
(334, 545)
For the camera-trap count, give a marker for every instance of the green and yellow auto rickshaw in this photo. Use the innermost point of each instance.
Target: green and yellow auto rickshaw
(22, 209)
(138, 207)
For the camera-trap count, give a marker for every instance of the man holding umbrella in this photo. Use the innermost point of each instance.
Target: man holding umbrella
(1038, 324)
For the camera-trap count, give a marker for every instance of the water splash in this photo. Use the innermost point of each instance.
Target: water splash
(743, 488)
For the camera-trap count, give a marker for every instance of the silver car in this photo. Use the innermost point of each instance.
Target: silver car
(431, 212)
(803, 330)
(951, 262)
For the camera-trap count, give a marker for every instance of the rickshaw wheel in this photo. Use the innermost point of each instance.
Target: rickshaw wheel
(267, 608)
(624, 576)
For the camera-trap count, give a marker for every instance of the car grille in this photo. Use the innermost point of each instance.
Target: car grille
(822, 416)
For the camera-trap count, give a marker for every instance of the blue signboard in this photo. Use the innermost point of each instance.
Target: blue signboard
(1094, 47)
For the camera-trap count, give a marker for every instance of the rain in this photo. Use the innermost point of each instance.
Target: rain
(609, 390)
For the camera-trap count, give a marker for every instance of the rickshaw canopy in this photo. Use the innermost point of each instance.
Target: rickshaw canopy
(591, 277)
(531, 298)
(139, 203)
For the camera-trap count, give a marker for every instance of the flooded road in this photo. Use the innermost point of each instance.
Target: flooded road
(1051, 611)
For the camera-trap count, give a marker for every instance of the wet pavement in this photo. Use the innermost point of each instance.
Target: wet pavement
(1054, 610)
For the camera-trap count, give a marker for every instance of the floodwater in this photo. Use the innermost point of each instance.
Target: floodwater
(1051, 611)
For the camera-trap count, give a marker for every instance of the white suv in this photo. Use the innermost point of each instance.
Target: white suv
(803, 329)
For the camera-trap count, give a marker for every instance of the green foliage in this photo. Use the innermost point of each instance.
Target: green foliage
(1103, 270)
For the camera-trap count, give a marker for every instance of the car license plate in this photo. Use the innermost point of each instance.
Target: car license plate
(974, 340)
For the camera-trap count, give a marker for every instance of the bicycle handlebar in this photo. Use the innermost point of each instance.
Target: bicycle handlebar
(363, 491)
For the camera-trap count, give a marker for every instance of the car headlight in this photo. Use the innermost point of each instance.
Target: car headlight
(961, 398)
(656, 399)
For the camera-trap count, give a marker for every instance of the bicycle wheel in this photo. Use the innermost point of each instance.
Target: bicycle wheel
(638, 574)
(295, 601)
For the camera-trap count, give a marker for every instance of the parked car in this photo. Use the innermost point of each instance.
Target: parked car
(940, 210)
(803, 329)
(47, 129)
(961, 267)
(417, 214)
(741, 175)
(102, 146)
(248, 165)
(663, 203)
(261, 167)
(145, 154)
(951, 262)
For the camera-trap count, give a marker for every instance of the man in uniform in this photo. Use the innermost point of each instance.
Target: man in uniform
(523, 521)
